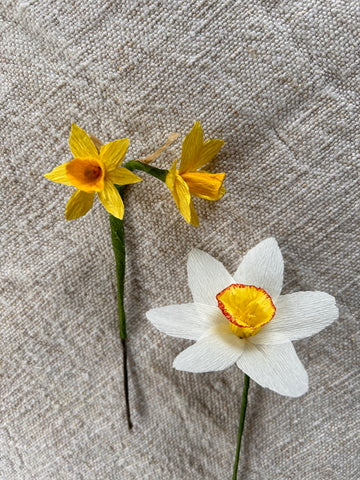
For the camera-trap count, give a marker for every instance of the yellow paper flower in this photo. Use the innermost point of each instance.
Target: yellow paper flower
(188, 181)
(93, 171)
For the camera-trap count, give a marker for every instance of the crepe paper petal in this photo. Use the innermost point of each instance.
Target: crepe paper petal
(122, 176)
(263, 267)
(58, 175)
(81, 144)
(79, 204)
(194, 219)
(267, 336)
(112, 200)
(208, 152)
(276, 367)
(299, 315)
(170, 177)
(113, 153)
(184, 198)
(205, 185)
(207, 277)
(195, 153)
(181, 194)
(191, 148)
(211, 353)
(187, 320)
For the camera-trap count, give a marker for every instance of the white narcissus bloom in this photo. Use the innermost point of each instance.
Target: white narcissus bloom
(243, 319)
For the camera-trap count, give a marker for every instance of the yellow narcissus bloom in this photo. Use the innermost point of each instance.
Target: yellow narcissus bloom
(187, 181)
(93, 171)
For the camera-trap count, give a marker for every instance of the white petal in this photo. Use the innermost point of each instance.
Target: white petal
(298, 315)
(207, 277)
(263, 267)
(215, 352)
(188, 320)
(276, 367)
(266, 336)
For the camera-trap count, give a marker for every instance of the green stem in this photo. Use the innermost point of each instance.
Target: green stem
(118, 241)
(144, 167)
(241, 423)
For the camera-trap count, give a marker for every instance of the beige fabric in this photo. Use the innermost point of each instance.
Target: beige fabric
(279, 82)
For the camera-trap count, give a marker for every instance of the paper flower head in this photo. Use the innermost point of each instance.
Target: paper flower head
(243, 319)
(93, 171)
(187, 180)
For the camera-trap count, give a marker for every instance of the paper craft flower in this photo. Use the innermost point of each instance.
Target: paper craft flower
(93, 171)
(243, 319)
(188, 181)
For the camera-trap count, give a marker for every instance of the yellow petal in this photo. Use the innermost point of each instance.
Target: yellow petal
(183, 200)
(194, 220)
(86, 174)
(81, 144)
(191, 148)
(181, 194)
(222, 192)
(78, 204)
(170, 177)
(58, 175)
(112, 200)
(205, 185)
(207, 153)
(113, 153)
(122, 176)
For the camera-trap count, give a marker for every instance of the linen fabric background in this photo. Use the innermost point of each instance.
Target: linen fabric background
(279, 82)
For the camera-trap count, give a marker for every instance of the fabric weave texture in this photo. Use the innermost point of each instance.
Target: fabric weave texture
(279, 83)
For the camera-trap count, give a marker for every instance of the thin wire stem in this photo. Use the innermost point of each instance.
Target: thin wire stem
(241, 423)
(118, 241)
(126, 384)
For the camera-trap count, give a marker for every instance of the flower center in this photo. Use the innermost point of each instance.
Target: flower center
(86, 174)
(248, 308)
(92, 173)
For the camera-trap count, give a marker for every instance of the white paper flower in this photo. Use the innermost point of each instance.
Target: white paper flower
(243, 319)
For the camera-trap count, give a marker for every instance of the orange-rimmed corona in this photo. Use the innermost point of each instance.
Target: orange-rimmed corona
(248, 308)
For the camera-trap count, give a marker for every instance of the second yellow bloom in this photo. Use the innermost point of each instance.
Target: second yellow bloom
(187, 181)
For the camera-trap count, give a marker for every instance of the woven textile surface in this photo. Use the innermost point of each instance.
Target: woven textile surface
(279, 82)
